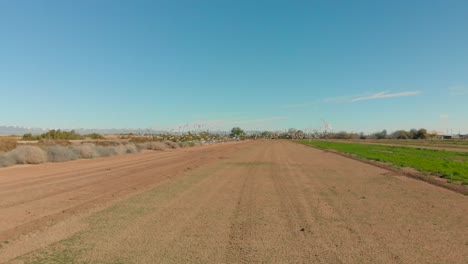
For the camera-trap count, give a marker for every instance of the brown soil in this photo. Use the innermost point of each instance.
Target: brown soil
(248, 202)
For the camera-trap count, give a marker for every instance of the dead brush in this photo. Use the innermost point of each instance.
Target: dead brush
(125, 149)
(104, 143)
(105, 151)
(184, 144)
(139, 139)
(7, 144)
(6, 160)
(86, 150)
(152, 146)
(61, 154)
(54, 142)
(171, 144)
(28, 155)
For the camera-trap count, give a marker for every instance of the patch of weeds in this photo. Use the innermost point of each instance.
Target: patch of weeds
(66, 251)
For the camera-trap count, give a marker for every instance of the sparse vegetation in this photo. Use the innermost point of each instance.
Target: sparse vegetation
(204, 136)
(62, 150)
(171, 144)
(7, 144)
(94, 136)
(55, 134)
(152, 146)
(61, 135)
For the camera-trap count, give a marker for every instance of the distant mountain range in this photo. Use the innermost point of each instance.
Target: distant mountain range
(17, 130)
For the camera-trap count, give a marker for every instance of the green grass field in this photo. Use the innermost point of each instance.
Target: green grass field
(463, 144)
(448, 164)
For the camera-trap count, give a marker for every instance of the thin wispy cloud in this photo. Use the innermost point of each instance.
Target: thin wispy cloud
(338, 100)
(385, 94)
(365, 97)
(444, 116)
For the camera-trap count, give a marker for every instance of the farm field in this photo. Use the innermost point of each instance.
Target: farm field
(243, 202)
(451, 145)
(448, 164)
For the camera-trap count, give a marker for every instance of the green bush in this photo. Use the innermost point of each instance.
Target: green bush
(54, 134)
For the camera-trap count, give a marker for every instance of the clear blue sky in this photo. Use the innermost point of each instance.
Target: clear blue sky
(359, 65)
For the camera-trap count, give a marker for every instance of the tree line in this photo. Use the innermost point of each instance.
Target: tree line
(293, 133)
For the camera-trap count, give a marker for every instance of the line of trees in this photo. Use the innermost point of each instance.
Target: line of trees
(403, 134)
(293, 133)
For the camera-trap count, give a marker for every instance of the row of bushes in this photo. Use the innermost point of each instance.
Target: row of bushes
(61, 134)
(29, 154)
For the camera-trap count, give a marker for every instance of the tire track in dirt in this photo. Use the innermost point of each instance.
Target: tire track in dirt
(48, 171)
(325, 210)
(87, 179)
(242, 220)
(266, 202)
(351, 203)
(22, 215)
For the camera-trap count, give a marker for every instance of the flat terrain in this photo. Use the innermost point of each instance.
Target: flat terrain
(247, 202)
(448, 144)
(448, 164)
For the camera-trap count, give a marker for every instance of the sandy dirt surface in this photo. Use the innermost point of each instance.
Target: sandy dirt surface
(249, 202)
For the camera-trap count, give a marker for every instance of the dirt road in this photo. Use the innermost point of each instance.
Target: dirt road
(249, 202)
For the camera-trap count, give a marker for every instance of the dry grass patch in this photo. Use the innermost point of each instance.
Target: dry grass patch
(7, 144)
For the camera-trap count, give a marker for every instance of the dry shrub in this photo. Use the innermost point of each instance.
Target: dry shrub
(54, 142)
(131, 148)
(6, 160)
(195, 143)
(28, 155)
(86, 150)
(125, 149)
(139, 139)
(104, 143)
(152, 146)
(183, 144)
(105, 151)
(7, 144)
(171, 144)
(60, 154)
(120, 149)
(33, 155)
